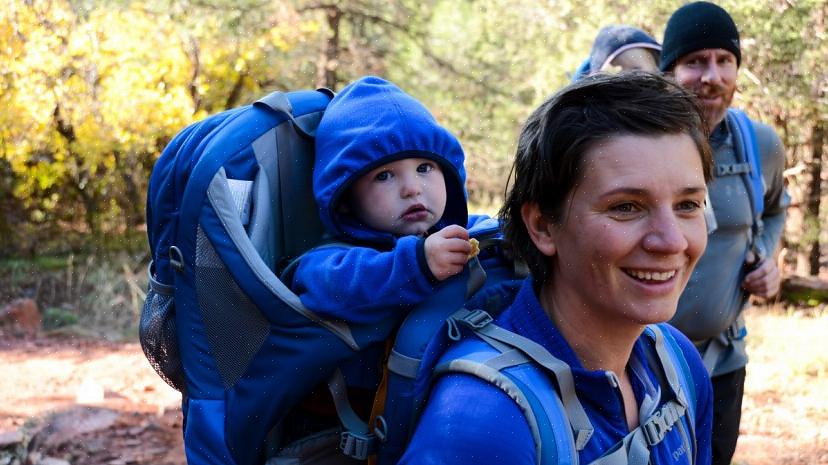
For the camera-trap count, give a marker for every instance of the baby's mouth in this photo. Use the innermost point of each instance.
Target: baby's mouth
(415, 212)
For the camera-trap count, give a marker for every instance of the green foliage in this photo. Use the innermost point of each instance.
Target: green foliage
(57, 318)
(92, 91)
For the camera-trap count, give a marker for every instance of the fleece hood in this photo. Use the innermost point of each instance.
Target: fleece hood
(372, 122)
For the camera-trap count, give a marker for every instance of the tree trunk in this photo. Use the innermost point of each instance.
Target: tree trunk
(330, 61)
(815, 194)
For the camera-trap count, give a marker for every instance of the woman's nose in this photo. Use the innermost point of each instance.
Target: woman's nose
(665, 235)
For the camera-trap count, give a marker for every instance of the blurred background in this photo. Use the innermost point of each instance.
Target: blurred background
(91, 92)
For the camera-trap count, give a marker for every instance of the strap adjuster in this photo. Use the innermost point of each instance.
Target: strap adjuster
(477, 319)
(357, 446)
(657, 426)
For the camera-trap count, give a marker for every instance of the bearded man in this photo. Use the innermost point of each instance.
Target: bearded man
(701, 51)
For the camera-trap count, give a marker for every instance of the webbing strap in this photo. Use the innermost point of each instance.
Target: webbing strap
(356, 438)
(581, 426)
(509, 358)
(477, 276)
(339, 392)
(403, 365)
(718, 344)
(634, 449)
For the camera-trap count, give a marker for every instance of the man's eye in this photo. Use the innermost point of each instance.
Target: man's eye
(382, 176)
(425, 167)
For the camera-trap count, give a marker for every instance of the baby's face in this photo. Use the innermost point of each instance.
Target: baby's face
(403, 197)
(635, 59)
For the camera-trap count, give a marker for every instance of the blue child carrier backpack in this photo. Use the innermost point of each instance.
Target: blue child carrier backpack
(228, 198)
(230, 204)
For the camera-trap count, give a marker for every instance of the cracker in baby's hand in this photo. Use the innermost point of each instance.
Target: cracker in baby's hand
(475, 248)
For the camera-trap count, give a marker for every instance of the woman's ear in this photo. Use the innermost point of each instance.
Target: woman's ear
(540, 228)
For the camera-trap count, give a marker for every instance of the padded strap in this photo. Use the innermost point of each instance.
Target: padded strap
(747, 152)
(278, 102)
(501, 381)
(581, 426)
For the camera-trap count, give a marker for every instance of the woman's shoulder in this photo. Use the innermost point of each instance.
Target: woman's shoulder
(468, 420)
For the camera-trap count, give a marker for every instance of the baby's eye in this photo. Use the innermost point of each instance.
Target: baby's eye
(383, 176)
(425, 167)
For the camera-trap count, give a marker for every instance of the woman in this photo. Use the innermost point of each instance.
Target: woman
(607, 211)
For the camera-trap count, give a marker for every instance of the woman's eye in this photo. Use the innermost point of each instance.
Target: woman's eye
(626, 207)
(425, 167)
(689, 206)
(383, 176)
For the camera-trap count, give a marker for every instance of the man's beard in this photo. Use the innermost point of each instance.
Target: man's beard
(714, 112)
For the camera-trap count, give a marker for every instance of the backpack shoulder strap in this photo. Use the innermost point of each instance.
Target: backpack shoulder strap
(747, 151)
(553, 407)
(635, 447)
(540, 404)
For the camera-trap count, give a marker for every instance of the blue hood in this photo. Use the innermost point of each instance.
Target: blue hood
(372, 122)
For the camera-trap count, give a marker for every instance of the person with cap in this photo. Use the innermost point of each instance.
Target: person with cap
(624, 48)
(701, 51)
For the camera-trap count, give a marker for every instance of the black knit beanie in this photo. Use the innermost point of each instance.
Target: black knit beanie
(697, 26)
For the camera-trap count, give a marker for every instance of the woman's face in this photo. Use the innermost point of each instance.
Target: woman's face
(633, 229)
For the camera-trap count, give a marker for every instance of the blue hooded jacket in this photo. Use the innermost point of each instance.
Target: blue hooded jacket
(372, 122)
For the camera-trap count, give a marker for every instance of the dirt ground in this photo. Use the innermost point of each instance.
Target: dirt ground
(100, 403)
(89, 402)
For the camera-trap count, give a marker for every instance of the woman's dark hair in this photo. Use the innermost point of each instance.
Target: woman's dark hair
(558, 134)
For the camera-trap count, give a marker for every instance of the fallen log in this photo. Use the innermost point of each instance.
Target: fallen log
(807, 290)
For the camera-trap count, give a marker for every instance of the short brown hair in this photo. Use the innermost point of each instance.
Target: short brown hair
(554, 140)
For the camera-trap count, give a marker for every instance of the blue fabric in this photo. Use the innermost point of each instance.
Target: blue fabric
(469, 421)
(205, 427)
(361, 284)
(228, 424)
(611, 41)
(748, 151)
(370, 123)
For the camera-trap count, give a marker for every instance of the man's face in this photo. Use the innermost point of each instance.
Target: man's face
(711, 74)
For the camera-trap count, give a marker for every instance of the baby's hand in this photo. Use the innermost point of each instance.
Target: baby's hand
(447, 251)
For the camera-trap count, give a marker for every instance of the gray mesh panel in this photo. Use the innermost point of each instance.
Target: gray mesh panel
(158, 337)
(235, 328)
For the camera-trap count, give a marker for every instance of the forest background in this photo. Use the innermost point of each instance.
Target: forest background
(92, 91)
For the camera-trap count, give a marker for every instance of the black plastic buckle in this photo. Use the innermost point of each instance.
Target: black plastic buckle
(358, 446)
